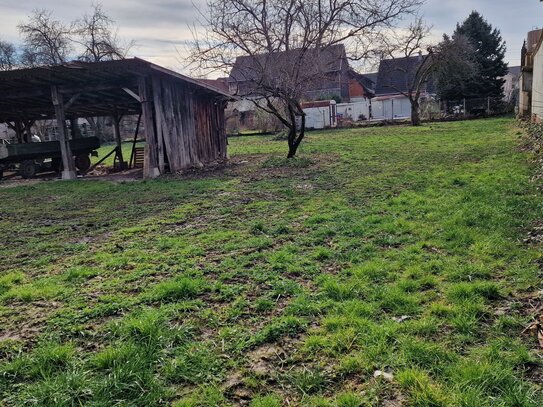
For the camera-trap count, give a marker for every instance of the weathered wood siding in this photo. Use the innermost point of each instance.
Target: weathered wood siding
(189, 123)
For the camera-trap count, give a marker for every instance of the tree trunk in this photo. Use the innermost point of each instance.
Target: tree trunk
(415, 113)
(295, 137)
(292, 144)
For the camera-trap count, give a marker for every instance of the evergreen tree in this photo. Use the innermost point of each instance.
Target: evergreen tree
(488, 57)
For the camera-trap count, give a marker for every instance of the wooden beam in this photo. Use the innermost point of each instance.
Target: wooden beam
(117, 133)
(71, 101)
(19, 131)
(69, 171)
(159, 122)
(133, 94)
(150, 169)
(74, 128)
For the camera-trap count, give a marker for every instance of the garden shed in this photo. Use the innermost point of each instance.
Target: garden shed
(183, 118)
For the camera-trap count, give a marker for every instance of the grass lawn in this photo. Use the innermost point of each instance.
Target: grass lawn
(107, 148)
(383, 267)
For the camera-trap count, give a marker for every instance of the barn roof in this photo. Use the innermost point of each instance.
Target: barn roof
(89, 88)
(396, 75)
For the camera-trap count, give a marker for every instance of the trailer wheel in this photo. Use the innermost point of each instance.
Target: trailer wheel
(83, 162)
(27, 169)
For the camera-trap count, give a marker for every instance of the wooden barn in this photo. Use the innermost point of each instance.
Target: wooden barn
(183, 118)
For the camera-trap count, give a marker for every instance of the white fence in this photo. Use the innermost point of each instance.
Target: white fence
(399, 108)
(356, 111)
(390, 109)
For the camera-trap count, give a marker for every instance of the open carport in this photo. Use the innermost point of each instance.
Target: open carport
(183, 118)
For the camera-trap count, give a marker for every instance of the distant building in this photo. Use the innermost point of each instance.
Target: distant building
(327, 72)
(527, 73)
(328, 76)
(219, 83)
(394, 80)
(361, 86)
(511, 85)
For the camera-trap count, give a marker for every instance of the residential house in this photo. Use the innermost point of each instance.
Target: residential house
(219, 83)
(511, 85)
(328, 76)
(361, 86)
(527, 73)
(394, 82)
(325, 73)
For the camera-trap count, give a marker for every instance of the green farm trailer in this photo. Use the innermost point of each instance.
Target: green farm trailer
(32, 158)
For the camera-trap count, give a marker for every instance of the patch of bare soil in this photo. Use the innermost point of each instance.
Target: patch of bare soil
(27, 321)
(12, 179)
(135, 174)
(535, 235)
(254, 167)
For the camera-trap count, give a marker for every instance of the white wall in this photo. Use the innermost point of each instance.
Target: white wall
(392, 108)
(320, 117)
(537, 86)
(353, 111)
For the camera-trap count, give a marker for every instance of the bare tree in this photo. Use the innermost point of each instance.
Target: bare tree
(420, 69)
(97, 35)
(46, 40)
(8, 56)
(300, 29)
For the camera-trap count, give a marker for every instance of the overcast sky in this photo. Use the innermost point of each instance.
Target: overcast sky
(161, 26)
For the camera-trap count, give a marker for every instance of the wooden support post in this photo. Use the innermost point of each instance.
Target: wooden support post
(74, 128)
(150, 168)
(69, 171)
(117, 133)
(159, 122)
(28, 130)
(19, 131)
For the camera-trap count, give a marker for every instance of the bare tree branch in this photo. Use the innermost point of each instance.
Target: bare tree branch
(97, 35)
(8, 56)
(301, 31)
(426, 62)
(46, 40)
